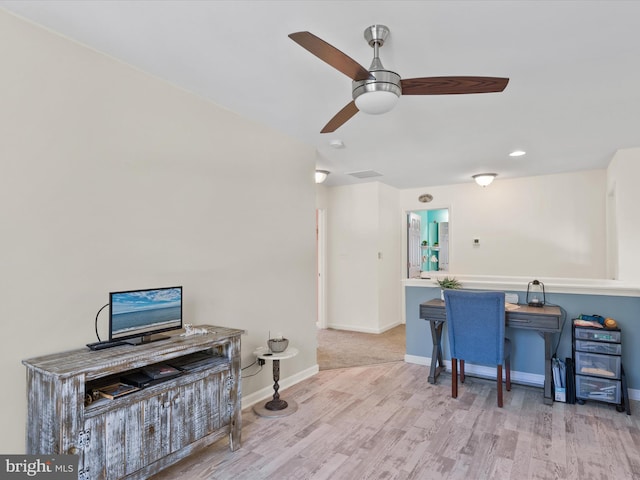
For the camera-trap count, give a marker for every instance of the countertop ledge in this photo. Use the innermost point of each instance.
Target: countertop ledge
(580, 286)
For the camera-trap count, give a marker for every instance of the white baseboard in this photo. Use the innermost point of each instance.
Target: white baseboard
(267, 392)
(356, 328)
(390, 326)
(524, 378)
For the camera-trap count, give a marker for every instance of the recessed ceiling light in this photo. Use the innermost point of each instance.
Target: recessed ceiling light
(517, 153)
(336, 143)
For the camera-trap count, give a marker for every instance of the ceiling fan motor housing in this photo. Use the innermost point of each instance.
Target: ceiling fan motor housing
(376, 34)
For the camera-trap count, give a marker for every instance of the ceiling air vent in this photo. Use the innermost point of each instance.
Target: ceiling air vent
(365, 174)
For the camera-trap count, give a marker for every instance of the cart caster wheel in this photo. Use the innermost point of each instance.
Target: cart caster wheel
(620, 408)
(580, 402)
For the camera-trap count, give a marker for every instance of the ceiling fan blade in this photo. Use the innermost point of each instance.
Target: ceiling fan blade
(331, 55)
(340, 118)
(452, 85)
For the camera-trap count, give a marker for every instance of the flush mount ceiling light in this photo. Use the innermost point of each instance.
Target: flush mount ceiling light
(517, 153)
(336, 143)
(321, 175)
(484, 179)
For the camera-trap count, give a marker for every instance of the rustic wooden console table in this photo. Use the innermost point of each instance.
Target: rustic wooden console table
(136, 435)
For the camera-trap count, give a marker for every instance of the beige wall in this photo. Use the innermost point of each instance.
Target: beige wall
(623, 226)
(111, 179)
(352, 265)
(546, 226)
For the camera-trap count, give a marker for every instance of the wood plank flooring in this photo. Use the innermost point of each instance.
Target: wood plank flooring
(386, 421)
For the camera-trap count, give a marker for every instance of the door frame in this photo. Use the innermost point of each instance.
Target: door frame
(321, 268)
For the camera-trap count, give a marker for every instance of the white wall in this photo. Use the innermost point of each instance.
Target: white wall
(363, 251)
(322, 196)
(111, 180)
(545, 226)
(352, 250)
(624, 222)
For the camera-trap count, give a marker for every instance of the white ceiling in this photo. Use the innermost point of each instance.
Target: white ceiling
(573, 98)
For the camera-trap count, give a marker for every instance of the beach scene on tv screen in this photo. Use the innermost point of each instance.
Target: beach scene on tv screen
(145, 310)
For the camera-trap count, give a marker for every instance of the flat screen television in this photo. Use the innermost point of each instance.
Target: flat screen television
(136, 315)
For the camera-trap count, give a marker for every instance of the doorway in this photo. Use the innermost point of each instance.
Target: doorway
(427, 242)
(345, 348)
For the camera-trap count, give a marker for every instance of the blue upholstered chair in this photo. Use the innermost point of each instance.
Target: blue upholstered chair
(476, 324)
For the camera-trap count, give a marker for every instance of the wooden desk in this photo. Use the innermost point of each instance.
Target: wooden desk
(545, 320)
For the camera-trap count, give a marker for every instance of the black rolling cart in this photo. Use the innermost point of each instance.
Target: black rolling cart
(599, 374)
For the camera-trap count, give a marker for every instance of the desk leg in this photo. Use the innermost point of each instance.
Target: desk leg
(437, 365)
(276, 403)
(548, 398)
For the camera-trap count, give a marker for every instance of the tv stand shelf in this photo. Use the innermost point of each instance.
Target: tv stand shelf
(138, 434)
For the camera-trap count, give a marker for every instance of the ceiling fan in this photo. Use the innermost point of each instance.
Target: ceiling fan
(377, 90)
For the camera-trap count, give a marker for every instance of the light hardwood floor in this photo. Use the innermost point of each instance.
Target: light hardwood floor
(386, 422)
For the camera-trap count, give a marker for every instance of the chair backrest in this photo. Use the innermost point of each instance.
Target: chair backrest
(476, 324)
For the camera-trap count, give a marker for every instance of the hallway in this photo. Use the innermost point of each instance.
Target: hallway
(343, 348)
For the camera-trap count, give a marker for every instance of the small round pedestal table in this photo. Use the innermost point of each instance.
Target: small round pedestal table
(275, 407)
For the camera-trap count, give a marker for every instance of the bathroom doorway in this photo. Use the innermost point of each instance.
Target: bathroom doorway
(427, 242)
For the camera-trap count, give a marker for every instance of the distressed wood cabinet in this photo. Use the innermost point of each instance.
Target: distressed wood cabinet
(138, 434)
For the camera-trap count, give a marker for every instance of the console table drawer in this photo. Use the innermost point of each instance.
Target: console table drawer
(435, 313)
(534, 322)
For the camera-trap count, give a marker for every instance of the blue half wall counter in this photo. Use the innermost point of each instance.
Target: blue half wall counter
(608, 298)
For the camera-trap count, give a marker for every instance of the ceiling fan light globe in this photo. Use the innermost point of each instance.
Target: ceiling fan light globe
(377, 95)
(376, 102)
